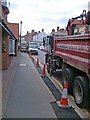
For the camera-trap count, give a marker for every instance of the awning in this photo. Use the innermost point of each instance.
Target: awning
(5, 27)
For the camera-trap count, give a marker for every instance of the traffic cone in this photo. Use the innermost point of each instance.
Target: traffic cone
(43, 70)
(37, 63)
(64, 100)
(32, 58)
(30, 54)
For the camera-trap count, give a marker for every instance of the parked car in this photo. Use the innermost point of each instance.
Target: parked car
(33, 48)
(23, 48)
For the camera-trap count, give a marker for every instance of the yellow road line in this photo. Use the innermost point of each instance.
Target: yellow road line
(82, 113)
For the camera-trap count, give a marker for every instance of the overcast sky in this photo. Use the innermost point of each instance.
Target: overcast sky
(44, 14)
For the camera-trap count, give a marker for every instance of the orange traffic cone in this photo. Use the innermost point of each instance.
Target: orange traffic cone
(37, 63)
(32, 58)
(43, 70)
(30, 54)
(64, 100)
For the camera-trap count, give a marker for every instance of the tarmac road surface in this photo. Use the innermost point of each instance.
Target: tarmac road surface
(29, 96)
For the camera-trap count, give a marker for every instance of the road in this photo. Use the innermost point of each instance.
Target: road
(33, 95)
(57, 75)
(57, 78)
(46, 90)
(41, 56)
(28, 97)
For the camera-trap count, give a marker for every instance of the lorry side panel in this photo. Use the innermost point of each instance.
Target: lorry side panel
(75, 50)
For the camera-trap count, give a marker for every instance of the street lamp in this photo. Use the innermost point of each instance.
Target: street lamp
(20, 33)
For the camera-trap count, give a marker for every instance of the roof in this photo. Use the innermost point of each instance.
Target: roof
(60, 32)
(15, 29)
(31, 34)
(5, 26)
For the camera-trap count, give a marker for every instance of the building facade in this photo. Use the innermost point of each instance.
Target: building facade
(8, 37)
(29, 36)
(15, 30)
(58, 32)
(39, 37)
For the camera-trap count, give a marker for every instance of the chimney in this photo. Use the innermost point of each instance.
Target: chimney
(62, 29)
(57, 28)
(32, 31)
(42, 30)
(53, 30)
(27, 32)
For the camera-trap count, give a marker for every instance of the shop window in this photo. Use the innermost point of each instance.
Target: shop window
(11, 46)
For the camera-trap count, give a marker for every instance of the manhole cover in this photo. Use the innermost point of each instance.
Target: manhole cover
(23, 65)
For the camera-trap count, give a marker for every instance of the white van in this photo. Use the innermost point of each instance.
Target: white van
(33, 48)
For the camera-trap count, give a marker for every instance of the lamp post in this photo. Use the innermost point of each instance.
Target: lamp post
(20, 33)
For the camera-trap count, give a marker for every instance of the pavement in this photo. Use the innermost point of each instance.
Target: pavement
(29, 97)
(7, 77)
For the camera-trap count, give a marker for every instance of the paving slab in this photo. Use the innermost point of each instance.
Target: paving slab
(29, 96)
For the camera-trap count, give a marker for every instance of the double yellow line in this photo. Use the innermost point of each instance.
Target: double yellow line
(83, 113)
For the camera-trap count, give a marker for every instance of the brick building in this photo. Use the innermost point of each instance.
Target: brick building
(8, 37)
(8, 51)
(15, 30)
(29, 36)
(58, 32)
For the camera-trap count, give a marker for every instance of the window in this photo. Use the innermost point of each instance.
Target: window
(11, 46)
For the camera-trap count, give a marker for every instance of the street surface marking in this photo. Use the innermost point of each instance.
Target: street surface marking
(23, 65)
(82, 113)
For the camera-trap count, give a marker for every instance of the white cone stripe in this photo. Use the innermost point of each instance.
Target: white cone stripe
(64, 94)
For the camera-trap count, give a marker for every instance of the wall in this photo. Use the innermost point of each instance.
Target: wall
(5, 55)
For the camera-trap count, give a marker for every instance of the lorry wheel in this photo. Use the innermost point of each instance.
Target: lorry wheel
(80, 91)
(68, 76)
(49, 67)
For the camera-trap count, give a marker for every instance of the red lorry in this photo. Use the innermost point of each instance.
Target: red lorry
(71, 53)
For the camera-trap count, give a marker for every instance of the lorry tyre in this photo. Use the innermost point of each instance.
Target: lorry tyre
(49, 67)
(81, 91)
(68, 76)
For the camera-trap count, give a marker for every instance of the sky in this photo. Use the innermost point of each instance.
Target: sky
(44, 14)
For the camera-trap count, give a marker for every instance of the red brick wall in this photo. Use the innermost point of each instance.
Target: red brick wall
(15, 29)
(5, 54)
